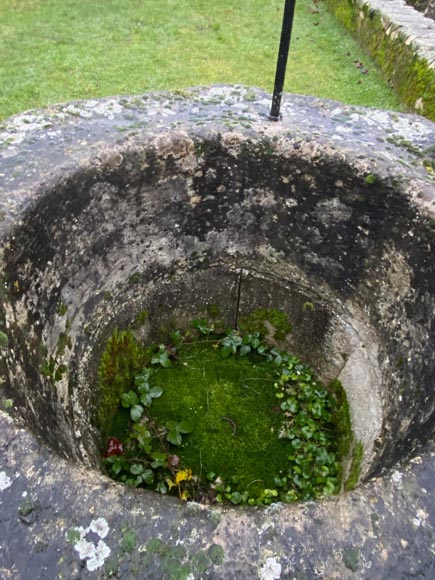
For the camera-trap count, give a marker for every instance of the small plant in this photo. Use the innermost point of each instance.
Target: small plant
(176, 430)
(203, 326)
(8, 403)
(162, 357)
(146, 391)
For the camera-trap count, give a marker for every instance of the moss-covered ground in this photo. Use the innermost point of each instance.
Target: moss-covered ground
(232, 406)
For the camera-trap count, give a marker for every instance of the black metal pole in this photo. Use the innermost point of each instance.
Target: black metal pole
(284, 45)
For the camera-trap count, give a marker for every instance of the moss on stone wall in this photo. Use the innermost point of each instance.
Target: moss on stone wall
(350, 452)
(269, 322)
(407, 72)
(122, 359)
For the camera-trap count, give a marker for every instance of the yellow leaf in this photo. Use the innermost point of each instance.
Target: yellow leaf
(170, 483)
(184, 495)
(183, 476)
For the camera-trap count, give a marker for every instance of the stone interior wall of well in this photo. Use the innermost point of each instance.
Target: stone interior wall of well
(240, 223)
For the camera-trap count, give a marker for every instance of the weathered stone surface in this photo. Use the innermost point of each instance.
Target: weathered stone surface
(169, 202)
(425, 6)
(430, 10)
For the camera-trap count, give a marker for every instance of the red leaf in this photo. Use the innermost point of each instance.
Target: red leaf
(173, 461)
(171, 351)
(114, 447)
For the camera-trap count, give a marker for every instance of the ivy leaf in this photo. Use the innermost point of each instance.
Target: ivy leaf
(307, 432)
(278, 360)
(329, 488)
(161, 358)
(143, 377)
(165, 362)
(245, 349)
(148, 393)
(176, 337)
(226, 351)
(174, 437)
(146, 400)
(203, 326)
(155, 392)
(116, 465)
(236, 497)
(148, 476)
(136, 413)
(136, 469)
(144, 443)
(159, 458)
(161, 488)
(129, 399)
(280, 481)
(297, 443)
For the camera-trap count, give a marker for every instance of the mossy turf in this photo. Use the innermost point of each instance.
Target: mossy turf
(232, 406)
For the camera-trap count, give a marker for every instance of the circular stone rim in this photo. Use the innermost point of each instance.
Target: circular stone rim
(267, 543)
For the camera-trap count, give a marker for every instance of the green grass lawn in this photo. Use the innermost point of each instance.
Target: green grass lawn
(56, 50)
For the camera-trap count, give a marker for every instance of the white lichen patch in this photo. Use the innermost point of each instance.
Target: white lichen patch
(102, 552)
(396, 477)
(270, 570)
(94, 554)
(5, 481)
(77, 112)
(420, 518)
(100, 527)
(85, 549)
(107, 108)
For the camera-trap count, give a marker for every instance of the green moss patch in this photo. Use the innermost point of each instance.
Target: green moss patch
(122, 359)
(232, 407)
(267, 321)
(221, 417)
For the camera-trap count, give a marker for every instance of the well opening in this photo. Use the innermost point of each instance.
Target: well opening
(181, 221)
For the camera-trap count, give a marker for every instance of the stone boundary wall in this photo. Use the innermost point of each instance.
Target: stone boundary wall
(401, 40)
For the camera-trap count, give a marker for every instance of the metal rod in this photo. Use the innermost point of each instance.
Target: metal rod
(281, 65)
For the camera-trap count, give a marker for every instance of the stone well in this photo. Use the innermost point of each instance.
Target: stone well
(167, 203)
